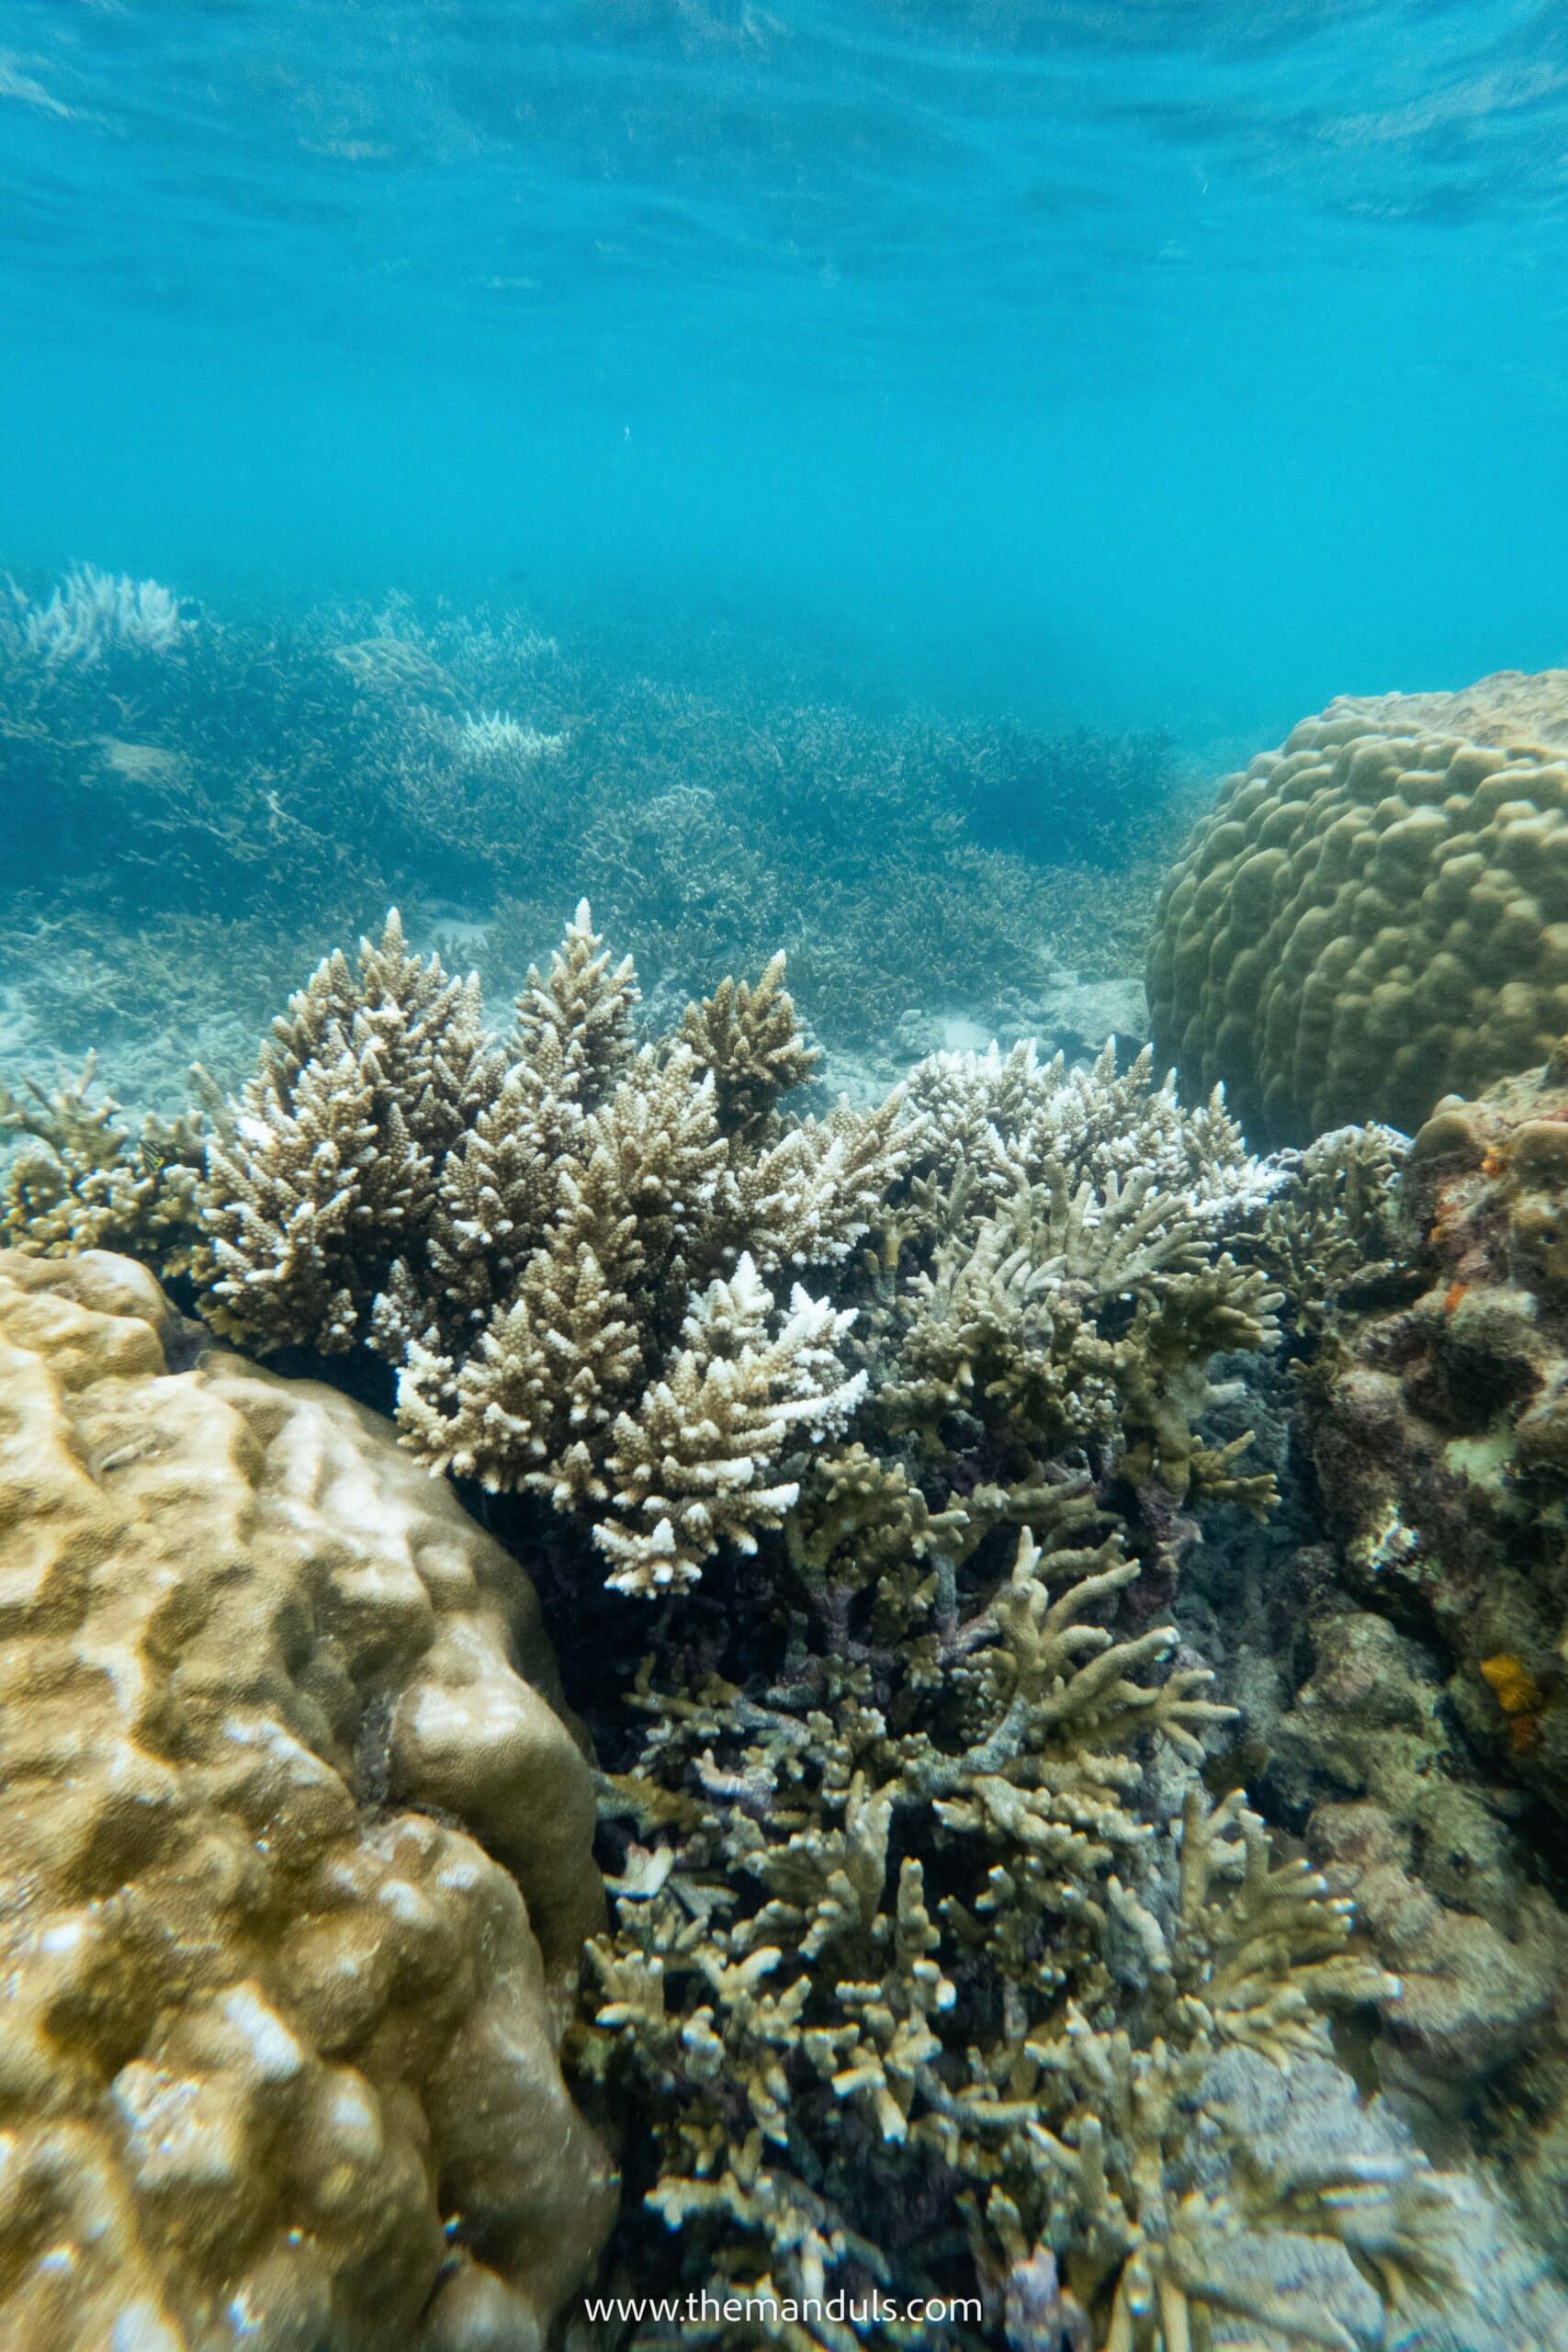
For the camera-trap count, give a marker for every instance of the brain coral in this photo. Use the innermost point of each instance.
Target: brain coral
(1440, 1419)
(1376, 914)
(297, 1860)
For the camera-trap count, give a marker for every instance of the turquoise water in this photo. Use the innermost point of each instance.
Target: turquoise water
(1175, 361)
(823, 490)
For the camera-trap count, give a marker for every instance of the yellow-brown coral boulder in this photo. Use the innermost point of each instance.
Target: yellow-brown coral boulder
(295, 1844)
(1377, 914)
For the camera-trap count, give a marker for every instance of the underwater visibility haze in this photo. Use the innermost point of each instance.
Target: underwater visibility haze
(784, 1176)
(1176, 361)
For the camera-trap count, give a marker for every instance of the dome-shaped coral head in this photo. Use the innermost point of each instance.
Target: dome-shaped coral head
(1376, 914)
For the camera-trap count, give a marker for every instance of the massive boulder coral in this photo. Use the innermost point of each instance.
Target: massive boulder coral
(1441, 1418)
(298, 1845)
(1376, 914)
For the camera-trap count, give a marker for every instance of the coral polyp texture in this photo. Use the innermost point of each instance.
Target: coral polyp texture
(1442, 1418)
(299, 1847)
(1376, 914)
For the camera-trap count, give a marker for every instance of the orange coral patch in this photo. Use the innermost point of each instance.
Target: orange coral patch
(1517, 1694)
(1452, 1295)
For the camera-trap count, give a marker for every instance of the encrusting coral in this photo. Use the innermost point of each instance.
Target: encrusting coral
(1440, 1417)
(1375, 915)
(298, 1850)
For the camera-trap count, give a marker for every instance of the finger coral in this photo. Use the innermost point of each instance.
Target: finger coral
(918, 1988)
(298, 1850)
(1376, 914)
(1064, 1281)
(564, 1243)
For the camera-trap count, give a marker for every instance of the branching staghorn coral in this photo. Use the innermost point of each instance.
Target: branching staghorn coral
(922, 1910)
(598, 1329)
(83, 1181)
(1066, 1302)
(309, 769)
(900, 1938)
(565, 1245)
(1002, 1121)
(92, 613)
(326, 1170)
(1335, 1222)
(930, 1955)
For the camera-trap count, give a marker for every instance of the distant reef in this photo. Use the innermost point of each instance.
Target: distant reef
(190, 796)
(1375, 915)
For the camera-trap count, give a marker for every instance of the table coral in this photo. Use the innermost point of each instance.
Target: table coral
(1375, 914)
(298, 1843)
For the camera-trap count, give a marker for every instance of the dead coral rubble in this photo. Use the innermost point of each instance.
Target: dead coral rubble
(296, 1846)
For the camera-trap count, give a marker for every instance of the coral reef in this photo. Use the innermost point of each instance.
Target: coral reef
(302, 777)
(1441, 1883)
(948, 1955)
(1358, 1738)
(1331, 1228)
(561, 1244)
(92, 614)
(297, 1846)
(1375, 915)
(80, 1181)
(934, 1967)
(1439, 1419)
